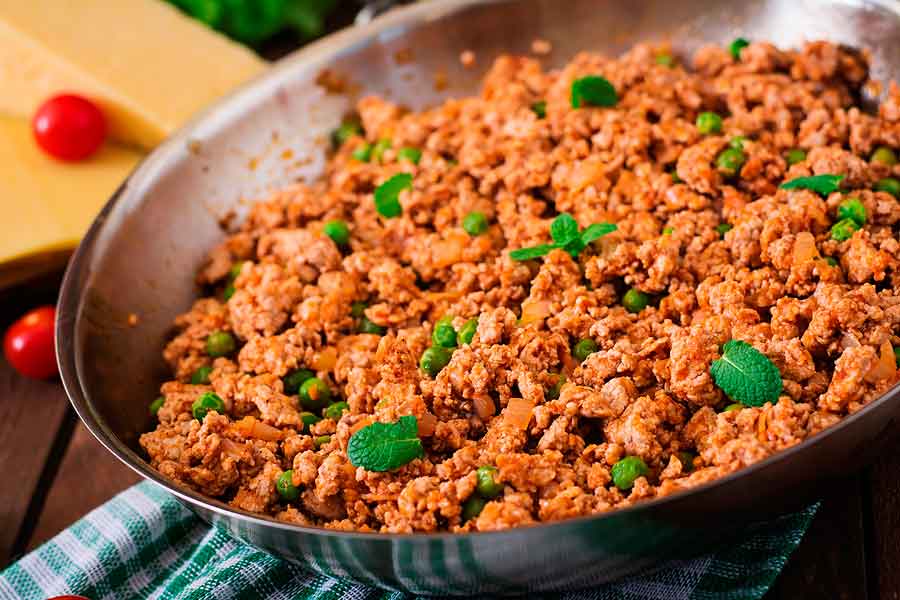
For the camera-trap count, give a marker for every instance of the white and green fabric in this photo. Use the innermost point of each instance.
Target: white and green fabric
(144, 544)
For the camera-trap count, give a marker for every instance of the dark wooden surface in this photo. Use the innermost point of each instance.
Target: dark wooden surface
(55, 472)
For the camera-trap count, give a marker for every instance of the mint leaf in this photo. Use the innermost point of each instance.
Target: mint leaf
(385, 446)
(564, 229)
(594, 91)
(533, 252)
(387, 201)
(821, 184)
(596, 231)
(746, 374)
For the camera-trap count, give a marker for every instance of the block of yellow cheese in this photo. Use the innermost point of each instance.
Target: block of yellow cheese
(148, 66)
(47, 204)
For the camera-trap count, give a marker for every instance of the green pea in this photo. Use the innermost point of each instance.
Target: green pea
(709, 122)
(897, 356)
(379, 148)
(363, 152)
(434, 359)
(733, 407)
(737, 142)
(795, 155)
(321, 441)
(736, 46)
(314, 394)
(367, 326)
(338, 231)
(889, 185)
(488, 486)
(583, 349)
(286, 488)
(444, 335)
(413, 155)
(358, 309)
(687, 461)
(201, 375)
(554, 391)
(344, 132)
(309, 419)
(668, 230)
(843, 229)
(220, 343)
(635, 301)
(205, 403)
(884, 156)
(831, 261)
(730, 161)
(666, 60)
(335, 410)
(852, 209)
(627, 470)
(539, 108)
(723, 228)
(473, 507)
(475, 223)
(156, 405)
(293, 380)
(467, 331)
(228, 292)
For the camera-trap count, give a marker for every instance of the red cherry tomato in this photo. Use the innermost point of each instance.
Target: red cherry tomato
(69, 597)
(69, 127)
(28, 344)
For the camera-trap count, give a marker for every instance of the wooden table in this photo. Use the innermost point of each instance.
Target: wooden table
(56, 471)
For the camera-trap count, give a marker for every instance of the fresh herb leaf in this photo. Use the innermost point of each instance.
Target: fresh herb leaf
(596, 231)
(387, 201)
(533, 252)
(593, 91)
(821, 184)
(385, 446)
(564, 229)
(746, 374)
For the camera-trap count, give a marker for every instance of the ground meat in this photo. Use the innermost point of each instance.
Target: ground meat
(561, 374)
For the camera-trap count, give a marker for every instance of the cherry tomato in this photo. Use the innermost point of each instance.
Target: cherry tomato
(28, 344)
(69, 597)
(69, 127)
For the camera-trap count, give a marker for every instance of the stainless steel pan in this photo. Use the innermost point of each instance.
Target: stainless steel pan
(141, 253)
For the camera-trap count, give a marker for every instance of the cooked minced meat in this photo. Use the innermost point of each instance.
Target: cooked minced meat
(557, 382)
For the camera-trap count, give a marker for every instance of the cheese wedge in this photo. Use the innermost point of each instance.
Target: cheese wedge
(148, 66)
(46, 204)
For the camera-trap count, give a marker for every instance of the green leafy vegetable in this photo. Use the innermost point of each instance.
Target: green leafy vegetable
(736, 46)
(565, 234)
(539, 108)
(254, 21)
(385, 446)
(821, 184)
(593, 91)
(387, 195)
(746, 374)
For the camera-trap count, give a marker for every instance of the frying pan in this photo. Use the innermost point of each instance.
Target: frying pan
(139, 258)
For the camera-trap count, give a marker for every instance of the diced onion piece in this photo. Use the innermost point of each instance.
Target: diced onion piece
(325, 359)
(518, 412)
(250, 427)
(427, 424)
(484, 407)
(533, 312)
(886, 367)
(447, 252)
(805, 248)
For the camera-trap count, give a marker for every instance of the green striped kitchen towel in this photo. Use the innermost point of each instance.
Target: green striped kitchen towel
(144, 544)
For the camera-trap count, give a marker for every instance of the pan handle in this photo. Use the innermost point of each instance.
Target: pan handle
(374, 8)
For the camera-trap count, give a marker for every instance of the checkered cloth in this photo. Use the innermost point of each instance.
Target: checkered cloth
(144, 544)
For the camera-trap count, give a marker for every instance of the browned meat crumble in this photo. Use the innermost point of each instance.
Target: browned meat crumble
(824, 311)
